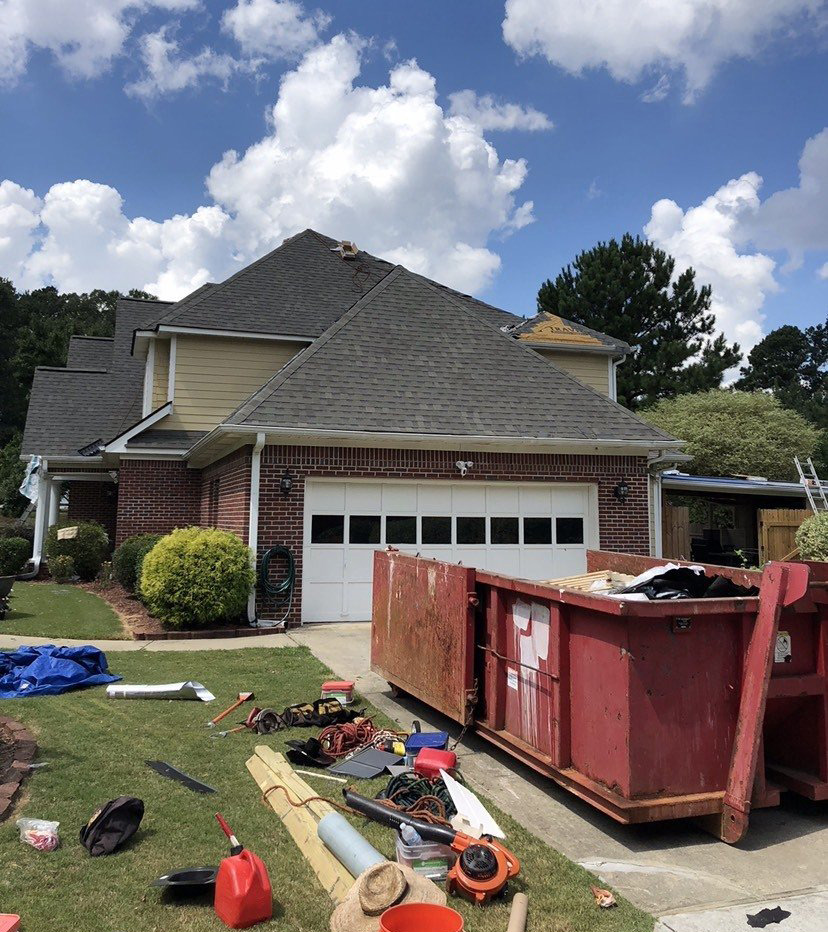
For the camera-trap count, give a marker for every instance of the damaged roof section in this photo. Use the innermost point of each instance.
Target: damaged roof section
(548, 330)
(410, 358)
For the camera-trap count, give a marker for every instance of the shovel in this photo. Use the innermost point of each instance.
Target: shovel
(243, 697)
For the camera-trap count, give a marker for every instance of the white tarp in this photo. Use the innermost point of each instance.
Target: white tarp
(187, 690)
(28, 487)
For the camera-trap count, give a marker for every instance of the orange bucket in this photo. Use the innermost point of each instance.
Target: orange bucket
(421, 917)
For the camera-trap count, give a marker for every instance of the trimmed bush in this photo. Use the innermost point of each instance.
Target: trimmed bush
(812, 537)
(128, 557)
(88, 549)
(62, 569)
(14, 552)
(197, 577)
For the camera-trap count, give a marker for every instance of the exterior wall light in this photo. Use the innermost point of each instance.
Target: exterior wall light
(286, 483)
(621, 491)
(464, 466)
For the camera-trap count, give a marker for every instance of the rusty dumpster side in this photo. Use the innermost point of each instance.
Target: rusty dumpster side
(648, 710)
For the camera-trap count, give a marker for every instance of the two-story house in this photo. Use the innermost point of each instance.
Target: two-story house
(334, 403)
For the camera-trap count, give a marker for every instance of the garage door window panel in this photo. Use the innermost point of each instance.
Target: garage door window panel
(504, 531)
(327, 529)
(401, 529)
(537, 531)
(436, 529)
(569, 531)
(364, 529)
(471, 530)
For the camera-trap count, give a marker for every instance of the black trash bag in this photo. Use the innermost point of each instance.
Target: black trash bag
(308, 754)
(112, 825)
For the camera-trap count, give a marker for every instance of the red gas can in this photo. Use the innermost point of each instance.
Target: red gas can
(243, 894)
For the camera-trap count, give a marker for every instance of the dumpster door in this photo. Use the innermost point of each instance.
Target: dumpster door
(422, 632)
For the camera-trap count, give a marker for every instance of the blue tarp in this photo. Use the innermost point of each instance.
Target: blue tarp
(50, 670)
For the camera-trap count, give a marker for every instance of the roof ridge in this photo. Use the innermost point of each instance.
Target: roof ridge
(256, 262)
(528, 349)
(279, 378)
(83, 336)
(70, 369)
(126, 297)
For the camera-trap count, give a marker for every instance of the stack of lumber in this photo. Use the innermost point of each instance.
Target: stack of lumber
(270, 769)
(601, 581)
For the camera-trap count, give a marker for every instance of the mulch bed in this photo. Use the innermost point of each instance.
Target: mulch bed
(17, 750)
(141, 626)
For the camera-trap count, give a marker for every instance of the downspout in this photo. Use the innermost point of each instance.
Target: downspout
(253, 520)
(615, 363)
(41, 517)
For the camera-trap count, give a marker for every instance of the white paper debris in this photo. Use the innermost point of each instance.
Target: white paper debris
(187, 690)
(470, 809)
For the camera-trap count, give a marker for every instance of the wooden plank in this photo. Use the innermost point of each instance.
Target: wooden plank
(675, 532)
(301, 822)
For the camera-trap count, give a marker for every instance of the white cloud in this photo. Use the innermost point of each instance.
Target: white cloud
(631, 38)
(658, 91)
(822, 271)
(706, 237)
(796, 219)
(488, 113)
(273, 29)
(383, 166)
(594, 191)
(167, 70)
(83, 35)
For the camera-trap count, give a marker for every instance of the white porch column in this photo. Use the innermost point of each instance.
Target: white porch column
(54, 502)
(41, 516)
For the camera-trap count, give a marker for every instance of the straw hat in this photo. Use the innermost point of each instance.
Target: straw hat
(379, 888)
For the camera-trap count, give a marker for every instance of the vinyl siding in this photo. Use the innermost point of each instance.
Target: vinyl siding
(160, 373)
(214, 374)
(590, 368)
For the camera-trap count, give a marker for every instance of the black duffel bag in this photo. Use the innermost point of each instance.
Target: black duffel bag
(112, 825)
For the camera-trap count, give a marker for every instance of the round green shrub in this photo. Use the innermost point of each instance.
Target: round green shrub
(62, 568)
(197, 577)
(127, 558)
(14, 552)
(88, 549)
(812, 537)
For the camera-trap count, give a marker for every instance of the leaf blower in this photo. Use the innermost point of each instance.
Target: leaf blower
(483, 866)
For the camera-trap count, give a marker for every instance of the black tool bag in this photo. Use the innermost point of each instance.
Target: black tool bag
(112, 825)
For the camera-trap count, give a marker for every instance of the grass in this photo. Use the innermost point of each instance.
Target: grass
(96, 750)
(47, 610)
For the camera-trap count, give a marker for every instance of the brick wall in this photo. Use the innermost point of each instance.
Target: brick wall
(94, 501)
(622, 527)
(155, 496)
(225, 493)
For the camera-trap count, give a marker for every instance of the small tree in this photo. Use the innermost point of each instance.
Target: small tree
(128, 557)
(88, 548)
(812, 538)
(736, 433)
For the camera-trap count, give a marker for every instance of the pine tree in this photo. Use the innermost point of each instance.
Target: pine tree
(628, 291)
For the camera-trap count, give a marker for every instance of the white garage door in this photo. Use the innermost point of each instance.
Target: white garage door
(535, 531)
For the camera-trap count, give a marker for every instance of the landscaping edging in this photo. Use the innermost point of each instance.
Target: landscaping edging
(23, 753)
(206, 633)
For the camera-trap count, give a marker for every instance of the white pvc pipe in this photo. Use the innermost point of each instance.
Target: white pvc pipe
(253, 517)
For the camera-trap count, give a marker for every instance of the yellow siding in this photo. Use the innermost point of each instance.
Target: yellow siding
(213, 375)
(160, 373)
(590, 368)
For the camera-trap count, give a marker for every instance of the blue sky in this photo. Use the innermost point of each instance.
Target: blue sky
(129, 124)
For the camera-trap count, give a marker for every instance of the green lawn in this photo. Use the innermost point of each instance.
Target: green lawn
(96, 750)
(46, 610)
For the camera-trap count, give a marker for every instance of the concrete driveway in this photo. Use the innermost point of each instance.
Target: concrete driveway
(670, 868)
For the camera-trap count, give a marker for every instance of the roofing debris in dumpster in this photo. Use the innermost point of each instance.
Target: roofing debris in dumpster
(680, 582)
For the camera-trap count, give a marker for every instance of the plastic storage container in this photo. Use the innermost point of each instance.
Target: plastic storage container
(427, 859)
(343, 690)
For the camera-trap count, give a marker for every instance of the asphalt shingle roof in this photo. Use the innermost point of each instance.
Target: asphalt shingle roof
(167, 439)
(409, 357)
(89, 353)
(71, 408)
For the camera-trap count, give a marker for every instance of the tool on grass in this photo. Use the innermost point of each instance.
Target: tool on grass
(243, 892)
(173, 773)
(517, 917)
(242, 698)
(483, 866)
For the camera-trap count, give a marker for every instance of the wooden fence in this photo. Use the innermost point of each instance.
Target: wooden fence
(777, 530)
(675, 532)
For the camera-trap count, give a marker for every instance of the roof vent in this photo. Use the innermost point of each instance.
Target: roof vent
(346, 249)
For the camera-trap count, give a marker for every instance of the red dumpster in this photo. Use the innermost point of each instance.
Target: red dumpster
(648, 710)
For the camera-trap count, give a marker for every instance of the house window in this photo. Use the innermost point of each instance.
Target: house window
(471, 530)
(436, 530)
(327, 529)
(401, 529)
(364, 529)
(537, 530)
(504, 531)
(569, 530)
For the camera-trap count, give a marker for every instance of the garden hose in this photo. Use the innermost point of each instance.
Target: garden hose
(280, 593)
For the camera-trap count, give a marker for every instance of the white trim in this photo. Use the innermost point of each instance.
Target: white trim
(253, 518)
(149, 375)
(393, 440)
(730, 487)
(118, 444)
(41, 514)
(82, 476)
(142, 453)
(238, 334)
(171, 373)
(613, 377)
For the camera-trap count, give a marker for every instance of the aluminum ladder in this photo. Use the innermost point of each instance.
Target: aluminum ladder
(809, 479)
